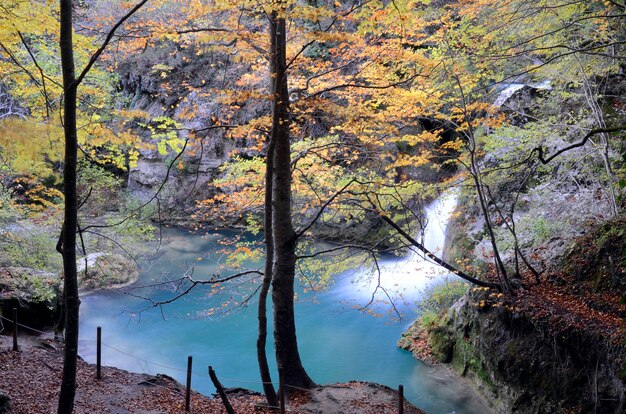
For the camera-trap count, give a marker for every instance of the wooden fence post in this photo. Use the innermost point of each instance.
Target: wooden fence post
(401, 399)
(220, 391)
(99, 353)
(188, 391)
(15, 329)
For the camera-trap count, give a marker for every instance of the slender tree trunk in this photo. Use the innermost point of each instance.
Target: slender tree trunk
(591, 95)
(474, 171)
(70, 224)
(285, 239)
(268, 387)
(480, 192)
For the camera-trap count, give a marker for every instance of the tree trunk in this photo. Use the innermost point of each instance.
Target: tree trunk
(474, 171)
(268, 387)
(287, 355)
(70, 224)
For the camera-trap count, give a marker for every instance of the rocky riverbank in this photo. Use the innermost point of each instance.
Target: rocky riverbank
(553, 347)
(36, 293)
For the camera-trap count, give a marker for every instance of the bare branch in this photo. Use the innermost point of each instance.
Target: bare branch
(578, 144)
(363, 86)
(107, 40)
(323, 208)
(204, 29)
(215, 280)
(437, 260)
(381, 287)
(41, 73)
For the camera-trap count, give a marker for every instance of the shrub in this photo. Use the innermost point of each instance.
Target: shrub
(440, 297)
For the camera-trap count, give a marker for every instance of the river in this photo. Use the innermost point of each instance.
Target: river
(337, 343)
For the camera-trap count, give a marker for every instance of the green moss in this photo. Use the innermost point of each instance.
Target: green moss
(434, 318)
(30, 285)
(467, 360)
(29, 248)
(441, 343)
(43, 290)
(442, 296)
(429, 319)
(461, 246)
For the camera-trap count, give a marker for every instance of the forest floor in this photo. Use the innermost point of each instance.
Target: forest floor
(31, 378)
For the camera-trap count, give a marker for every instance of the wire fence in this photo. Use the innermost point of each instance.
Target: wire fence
(189, 372)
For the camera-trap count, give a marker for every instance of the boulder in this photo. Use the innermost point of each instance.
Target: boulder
(105, 271)
(518, 99)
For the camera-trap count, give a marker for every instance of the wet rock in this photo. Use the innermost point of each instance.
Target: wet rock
(518, 100)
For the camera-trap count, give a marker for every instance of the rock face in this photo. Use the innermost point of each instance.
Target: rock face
(518, 99)
(183, 87)
(522, 368)
(182, 187)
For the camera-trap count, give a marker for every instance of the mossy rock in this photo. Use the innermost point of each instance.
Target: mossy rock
(106, 271)
(597, 257)
(442, 343)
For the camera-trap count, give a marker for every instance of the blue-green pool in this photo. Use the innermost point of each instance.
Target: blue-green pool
(337, 343)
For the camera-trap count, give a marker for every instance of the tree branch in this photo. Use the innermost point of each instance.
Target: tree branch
(41, 73)
(215, 280)
(323, 208)
(106, 42)
(437, 260)
(582, 142)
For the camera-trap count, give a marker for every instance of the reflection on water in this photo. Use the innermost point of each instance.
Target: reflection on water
(336, 342)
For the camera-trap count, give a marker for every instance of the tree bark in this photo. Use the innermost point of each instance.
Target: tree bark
(70, 223)
(268, 387)
(285, 239)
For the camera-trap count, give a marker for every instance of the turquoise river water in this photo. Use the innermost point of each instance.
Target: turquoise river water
(337, 343)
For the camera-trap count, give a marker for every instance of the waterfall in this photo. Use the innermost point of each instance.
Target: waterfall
(511, 89)
(404, 279)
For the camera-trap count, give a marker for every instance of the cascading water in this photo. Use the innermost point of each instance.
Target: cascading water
(510, 90)
(336, 342)
(406, 278)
